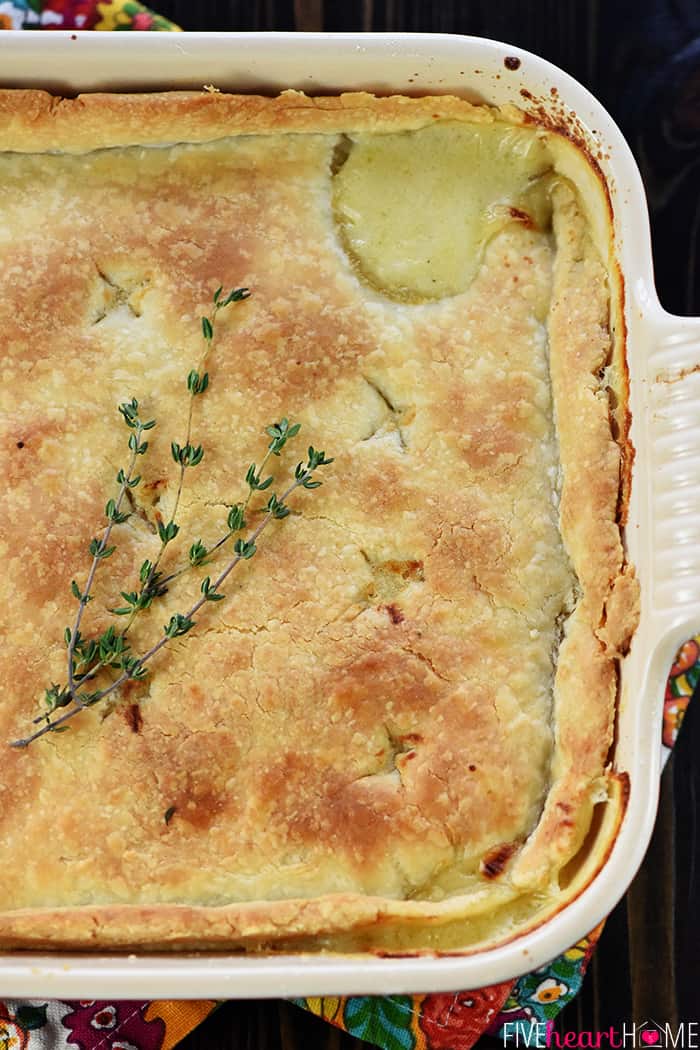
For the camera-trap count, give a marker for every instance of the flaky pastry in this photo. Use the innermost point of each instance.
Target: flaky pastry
(395, 733)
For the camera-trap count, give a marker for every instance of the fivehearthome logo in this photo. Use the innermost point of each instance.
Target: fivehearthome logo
(645, 1035)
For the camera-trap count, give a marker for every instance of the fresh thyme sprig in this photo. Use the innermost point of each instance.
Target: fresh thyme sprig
(100, 549)
(87, 658)
(199, 554)
(181, 623)
(185, 456)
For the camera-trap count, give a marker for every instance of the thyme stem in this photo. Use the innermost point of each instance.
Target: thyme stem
(80, 706)
(88, 657)
(227, 535)
(178, 494)
(97, 558)
(197, 383)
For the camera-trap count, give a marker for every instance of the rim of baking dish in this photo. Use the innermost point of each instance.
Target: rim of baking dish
(660, 349)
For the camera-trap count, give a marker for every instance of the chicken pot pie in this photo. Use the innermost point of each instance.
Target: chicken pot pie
(394, 734)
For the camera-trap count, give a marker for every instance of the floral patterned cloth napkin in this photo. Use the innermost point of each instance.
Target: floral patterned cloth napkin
(452, 1021)
(80, 14)
(57, 1025)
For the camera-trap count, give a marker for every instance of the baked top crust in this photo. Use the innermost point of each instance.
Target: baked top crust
(379, 734)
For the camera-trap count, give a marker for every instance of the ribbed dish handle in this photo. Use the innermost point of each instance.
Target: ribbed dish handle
(673, 483)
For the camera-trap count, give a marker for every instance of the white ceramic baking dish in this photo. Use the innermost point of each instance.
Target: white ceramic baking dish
(663, 534)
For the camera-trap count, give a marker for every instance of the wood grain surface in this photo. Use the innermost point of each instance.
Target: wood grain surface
(642, 59)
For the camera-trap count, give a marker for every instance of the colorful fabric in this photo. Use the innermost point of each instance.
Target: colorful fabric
(81, 14)
(684, 677)
(415, 1022)
(55, 1025)
(455, 1021)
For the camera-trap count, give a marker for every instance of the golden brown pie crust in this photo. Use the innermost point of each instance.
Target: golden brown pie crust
(368, 745)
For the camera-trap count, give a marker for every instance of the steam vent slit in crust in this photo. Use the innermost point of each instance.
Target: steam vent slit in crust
(394, 733)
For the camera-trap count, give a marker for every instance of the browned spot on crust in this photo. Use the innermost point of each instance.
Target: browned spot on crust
(381, 488)
(397, 678)
(498, 424)
(194, 771)
(199, 812)
(127, 692)
(395, 614)
(338, 814)
(409, 570)
(511, 62)
(493, 863)
(522, 217)
(196, 693)
(133, 717)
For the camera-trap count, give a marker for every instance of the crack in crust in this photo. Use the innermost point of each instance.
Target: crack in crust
(393, 417)
(112, 294)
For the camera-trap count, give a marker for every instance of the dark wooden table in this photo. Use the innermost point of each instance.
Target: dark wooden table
(642, 59)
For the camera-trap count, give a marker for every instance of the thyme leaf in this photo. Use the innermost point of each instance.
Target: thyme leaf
(110, 651)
